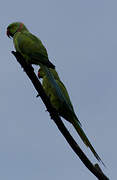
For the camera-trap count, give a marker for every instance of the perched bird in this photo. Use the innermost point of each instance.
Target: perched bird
(66, 113)
(33, 51)
(30, 47)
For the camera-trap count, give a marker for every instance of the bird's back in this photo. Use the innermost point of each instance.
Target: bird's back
(29, 44)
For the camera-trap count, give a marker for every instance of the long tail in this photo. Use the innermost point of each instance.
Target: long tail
(85, 139)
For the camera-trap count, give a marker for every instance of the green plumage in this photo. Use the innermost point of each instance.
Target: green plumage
(66, 113)
(28, 45)
(33, 52)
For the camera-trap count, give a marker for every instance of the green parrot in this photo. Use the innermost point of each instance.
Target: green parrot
(33, 51)
(30, 47)
(66, 113)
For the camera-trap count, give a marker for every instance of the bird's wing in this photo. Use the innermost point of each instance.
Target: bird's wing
(31, 46)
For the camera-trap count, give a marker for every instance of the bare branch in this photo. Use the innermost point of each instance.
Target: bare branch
(54, 115)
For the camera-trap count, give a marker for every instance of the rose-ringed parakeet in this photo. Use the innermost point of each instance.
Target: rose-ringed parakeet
(33, 51)
(67, 114)
(28, 45)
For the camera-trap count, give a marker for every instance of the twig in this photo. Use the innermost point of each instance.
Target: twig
(54, 115)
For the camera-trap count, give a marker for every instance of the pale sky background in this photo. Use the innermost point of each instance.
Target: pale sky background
(81, 39)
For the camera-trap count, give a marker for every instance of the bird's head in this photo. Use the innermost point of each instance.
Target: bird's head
(41, 74)
(15, 27)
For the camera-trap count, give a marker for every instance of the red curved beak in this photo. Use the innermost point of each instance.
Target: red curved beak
(38, 74)
(8, 33)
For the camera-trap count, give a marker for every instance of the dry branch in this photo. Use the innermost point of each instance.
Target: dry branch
(54, 115)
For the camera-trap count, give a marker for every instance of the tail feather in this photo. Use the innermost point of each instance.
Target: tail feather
(85, 139)
(50, 65)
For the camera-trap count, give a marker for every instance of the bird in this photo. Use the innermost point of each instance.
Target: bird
(33, 51)
(28, 45)
(67, 113)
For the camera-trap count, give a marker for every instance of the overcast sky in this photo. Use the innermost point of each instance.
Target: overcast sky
(81, 40)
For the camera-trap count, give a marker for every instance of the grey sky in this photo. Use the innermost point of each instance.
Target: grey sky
(81, 39)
